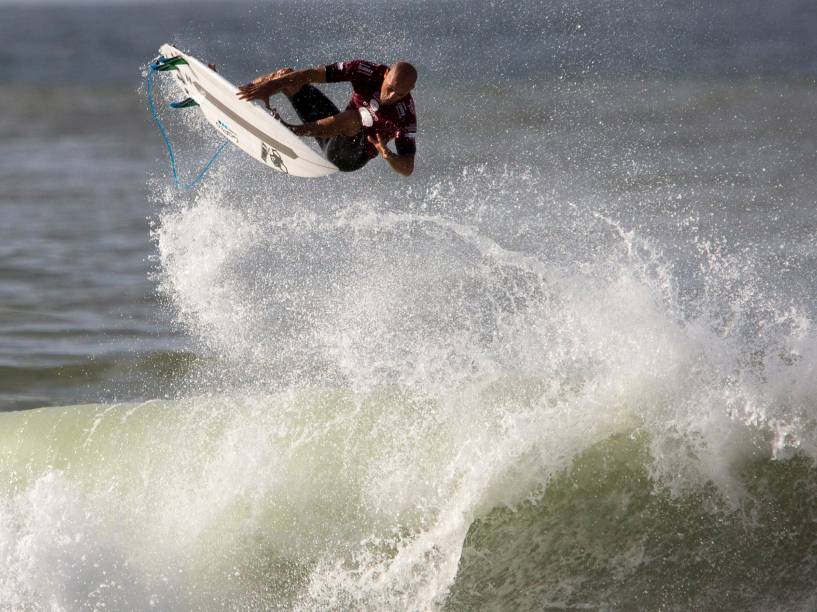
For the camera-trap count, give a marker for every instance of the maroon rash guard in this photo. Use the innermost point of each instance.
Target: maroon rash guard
(397, 121)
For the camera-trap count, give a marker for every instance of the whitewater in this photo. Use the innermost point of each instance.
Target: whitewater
(398, 410)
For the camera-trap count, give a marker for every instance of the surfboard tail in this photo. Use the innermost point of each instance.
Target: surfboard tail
(186, 103)
(163, 64)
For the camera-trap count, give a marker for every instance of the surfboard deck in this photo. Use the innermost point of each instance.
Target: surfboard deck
(249, 125)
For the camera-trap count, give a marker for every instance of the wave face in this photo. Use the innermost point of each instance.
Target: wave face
(397, 408)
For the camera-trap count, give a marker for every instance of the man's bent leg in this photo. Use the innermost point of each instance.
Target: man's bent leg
(311, 104)
(348, 153)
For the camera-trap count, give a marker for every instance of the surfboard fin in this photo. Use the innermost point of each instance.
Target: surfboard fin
(186, 103)
(163, 63)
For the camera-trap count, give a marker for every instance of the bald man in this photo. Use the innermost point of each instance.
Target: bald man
(381, 109)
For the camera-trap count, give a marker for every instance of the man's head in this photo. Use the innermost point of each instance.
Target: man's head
(398, 83)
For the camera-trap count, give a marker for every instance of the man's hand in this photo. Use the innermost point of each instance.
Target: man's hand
(402, 164)
(262, 88)
(284, 80)
(380, 144)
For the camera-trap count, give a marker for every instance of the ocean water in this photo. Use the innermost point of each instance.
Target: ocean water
(570, 363)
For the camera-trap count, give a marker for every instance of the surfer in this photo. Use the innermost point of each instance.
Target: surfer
(381, 109)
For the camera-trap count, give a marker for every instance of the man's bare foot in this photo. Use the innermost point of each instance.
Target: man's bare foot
(274, 112)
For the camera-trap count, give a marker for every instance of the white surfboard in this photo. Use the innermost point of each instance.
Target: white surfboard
(247, 124)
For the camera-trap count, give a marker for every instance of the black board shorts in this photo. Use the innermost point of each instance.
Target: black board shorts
(348, 153)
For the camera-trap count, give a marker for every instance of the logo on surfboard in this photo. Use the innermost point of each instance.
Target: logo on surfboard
(225, 129)
(270, 156)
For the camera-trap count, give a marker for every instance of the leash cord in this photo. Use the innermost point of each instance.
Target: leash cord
(158, 121)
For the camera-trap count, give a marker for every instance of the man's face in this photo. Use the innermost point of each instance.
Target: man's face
(394, 88)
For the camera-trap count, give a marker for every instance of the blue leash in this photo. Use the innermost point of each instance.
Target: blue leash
(154, 67)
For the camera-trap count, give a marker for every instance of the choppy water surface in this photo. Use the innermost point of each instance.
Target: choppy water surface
(570, 363)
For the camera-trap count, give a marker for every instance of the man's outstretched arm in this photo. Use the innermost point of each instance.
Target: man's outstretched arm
(268, 85)
(346, 123)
